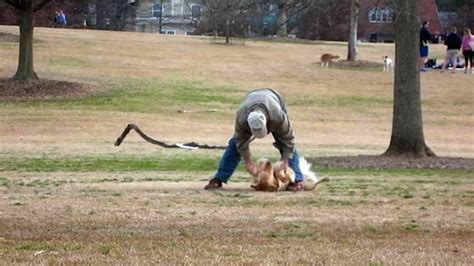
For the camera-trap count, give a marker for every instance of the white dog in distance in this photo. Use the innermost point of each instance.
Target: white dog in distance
(387, 64)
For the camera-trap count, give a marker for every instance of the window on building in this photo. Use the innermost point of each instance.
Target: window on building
(381, 15)
(156, 10)
(196, 12)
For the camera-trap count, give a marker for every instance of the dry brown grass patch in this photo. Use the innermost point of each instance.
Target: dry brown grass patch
(178, 222)
(358, 64)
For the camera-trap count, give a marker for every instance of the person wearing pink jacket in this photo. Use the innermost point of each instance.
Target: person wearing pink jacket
(467, 47)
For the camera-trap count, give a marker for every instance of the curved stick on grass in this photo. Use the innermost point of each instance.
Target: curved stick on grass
(189, 145)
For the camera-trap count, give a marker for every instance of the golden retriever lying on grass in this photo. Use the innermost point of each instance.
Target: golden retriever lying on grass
(267, 179)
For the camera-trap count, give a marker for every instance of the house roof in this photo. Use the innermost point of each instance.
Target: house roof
(429, 12)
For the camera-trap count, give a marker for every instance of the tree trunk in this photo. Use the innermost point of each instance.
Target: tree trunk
(282, 19)
(25, 71)
(227, 31)
(407, 128)
(352, 47)
(160, 21)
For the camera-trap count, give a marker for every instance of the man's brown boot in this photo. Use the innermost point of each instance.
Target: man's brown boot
(213, 184)
(295, 186)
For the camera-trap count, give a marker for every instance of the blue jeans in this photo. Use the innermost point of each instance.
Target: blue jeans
(231, 159)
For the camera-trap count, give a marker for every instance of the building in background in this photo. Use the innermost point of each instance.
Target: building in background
(174, 17)
(327, 21)
(376, 20)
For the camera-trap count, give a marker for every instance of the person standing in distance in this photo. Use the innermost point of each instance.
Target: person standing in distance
(425, 38)
(453, 42)
(468, 49)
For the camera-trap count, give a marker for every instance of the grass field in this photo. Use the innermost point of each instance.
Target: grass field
(69, 196)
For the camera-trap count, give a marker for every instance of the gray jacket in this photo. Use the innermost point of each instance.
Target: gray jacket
(271, 103)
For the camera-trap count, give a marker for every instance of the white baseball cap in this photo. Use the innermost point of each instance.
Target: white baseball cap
(258, 124)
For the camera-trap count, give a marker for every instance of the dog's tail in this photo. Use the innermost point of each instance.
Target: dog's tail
(311, 181)
(305, 168)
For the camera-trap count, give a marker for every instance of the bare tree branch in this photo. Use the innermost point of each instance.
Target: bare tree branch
(299, 8)
(41, 5)
(189, 145)
(15, 3)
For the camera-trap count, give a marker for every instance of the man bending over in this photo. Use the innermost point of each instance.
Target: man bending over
(263, 111)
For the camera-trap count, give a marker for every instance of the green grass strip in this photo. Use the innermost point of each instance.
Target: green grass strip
(146, 96)
(106, 163)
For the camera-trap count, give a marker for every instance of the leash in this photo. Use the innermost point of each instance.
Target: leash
(188, 146)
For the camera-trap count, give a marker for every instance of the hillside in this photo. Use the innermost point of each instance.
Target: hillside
(146, 79)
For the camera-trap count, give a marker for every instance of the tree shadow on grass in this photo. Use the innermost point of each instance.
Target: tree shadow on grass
(13, 38)
(41, 89)
(388, 162)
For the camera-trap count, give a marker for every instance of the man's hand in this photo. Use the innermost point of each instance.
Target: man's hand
(284, 166)
(250, 167)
